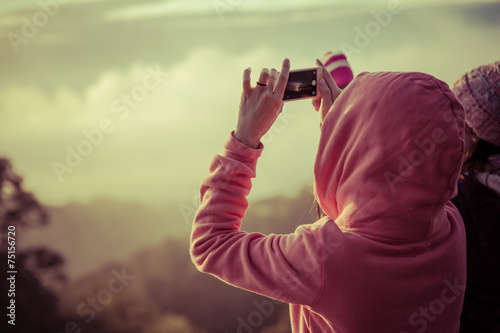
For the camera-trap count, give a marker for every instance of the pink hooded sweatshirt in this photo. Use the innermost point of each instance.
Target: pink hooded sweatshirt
(390, 255)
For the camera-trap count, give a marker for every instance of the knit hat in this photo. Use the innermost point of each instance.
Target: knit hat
(479, 93)
(337, 65)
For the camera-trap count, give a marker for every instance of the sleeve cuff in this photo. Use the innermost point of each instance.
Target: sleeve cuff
(238, 151)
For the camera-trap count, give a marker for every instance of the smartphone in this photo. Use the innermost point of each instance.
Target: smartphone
(302, 83)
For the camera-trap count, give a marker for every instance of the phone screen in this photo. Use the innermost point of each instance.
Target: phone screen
(301, 84)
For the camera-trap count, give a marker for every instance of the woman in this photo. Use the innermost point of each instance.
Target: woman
(389, 256)
(478, 198)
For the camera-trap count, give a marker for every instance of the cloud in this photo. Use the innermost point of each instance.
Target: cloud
(160, 145)
(162, 149)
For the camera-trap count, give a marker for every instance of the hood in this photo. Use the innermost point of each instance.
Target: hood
(390, 154)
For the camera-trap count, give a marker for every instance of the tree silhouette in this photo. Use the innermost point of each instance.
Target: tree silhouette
(38, 271)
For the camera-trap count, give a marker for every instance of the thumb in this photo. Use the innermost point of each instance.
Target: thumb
(326, 94)
(316, 102)
(326, 98)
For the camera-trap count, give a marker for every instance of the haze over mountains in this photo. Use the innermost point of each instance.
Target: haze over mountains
(90, 235)
(147, 251)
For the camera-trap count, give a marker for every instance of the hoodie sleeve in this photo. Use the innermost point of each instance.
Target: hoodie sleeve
(288, 268)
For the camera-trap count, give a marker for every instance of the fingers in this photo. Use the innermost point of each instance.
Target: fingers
(283, 78)
(328, 77)
(327, 98)
(264, 76)
(325, 92)
(246, 80)
(272, 79)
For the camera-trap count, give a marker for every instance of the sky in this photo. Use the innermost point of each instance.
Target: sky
(130, 100)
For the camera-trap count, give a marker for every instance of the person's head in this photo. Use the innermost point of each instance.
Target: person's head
(479, 93)
(390, 154)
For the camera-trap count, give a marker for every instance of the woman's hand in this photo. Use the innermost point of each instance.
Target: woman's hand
(261, 105)
(328, 92)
